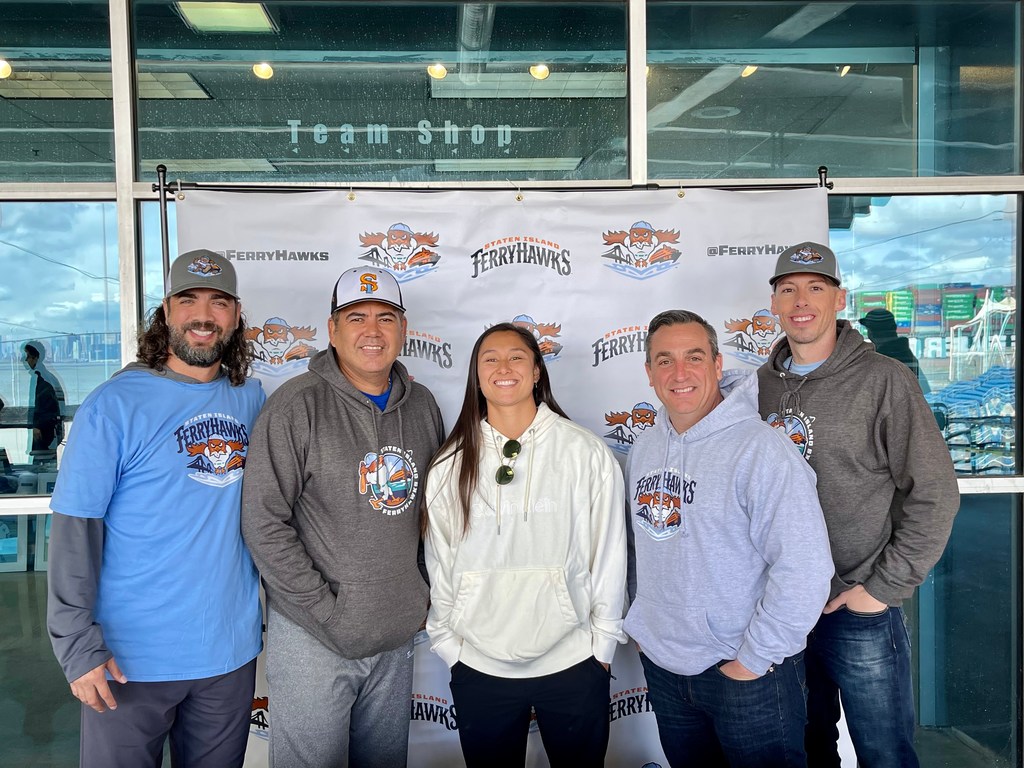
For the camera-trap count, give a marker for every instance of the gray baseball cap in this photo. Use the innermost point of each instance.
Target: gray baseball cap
(807, 257)
(201, 269)
(366, 284)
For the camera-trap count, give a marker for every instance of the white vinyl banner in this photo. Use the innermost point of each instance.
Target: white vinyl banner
(584, 271)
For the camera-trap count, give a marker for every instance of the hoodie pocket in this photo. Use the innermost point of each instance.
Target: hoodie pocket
(514, 615)
(376, 616)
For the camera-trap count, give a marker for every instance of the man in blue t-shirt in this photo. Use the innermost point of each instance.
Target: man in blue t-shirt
(153, 607)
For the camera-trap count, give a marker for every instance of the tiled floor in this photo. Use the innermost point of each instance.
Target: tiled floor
(39, 718)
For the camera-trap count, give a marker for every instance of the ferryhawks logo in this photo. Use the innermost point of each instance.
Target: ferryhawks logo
(204, 266)
(427, 346)
(521, 249)
(631, 701)
(626, 426)
(275, 254)
(389, 478)
(546, 335)
(407, 254)
(658, 498)
(258, 722)
(215, 445)
(759, 249)
(641, 252)
(280, 348)
(433, 709)
(752, 337)
(798, 427)
(621, 341)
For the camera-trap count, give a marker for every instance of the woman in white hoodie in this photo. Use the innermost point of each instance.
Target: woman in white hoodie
(526, 550)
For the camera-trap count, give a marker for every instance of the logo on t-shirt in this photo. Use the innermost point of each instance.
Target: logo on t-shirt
(797, 427)
(215, 444)
(390, 478)
(658, 499)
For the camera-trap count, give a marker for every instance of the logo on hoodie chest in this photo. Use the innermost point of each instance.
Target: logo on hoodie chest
(797, 427)
(390, 479)
(658, 498)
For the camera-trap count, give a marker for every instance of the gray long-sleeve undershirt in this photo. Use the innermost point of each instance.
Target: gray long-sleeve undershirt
(76, 553)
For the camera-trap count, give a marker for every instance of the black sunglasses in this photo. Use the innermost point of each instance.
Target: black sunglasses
(507, 470)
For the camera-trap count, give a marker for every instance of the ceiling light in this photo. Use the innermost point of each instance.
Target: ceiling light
(437, 71)
(263, 70)
(5, 69)
(540, 71)
(844, 70)
(226, 17)
(748, 70)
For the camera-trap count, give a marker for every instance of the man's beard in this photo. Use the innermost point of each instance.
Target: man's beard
(199, 357)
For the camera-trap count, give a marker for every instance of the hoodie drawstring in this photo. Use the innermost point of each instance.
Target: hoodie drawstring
(529, 475)
(790, 399)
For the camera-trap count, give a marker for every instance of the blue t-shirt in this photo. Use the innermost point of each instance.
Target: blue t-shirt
(161, 462)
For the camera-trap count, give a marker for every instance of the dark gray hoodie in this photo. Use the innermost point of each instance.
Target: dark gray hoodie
(330, 506)
(885, 478)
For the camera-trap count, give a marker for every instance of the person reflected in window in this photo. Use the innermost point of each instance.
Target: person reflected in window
(881, 327)
(46, 395)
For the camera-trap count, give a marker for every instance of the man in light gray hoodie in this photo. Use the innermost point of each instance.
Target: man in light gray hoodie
(729, 564)
(331, 517)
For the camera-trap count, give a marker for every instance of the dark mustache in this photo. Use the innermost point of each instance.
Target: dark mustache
(201, 325)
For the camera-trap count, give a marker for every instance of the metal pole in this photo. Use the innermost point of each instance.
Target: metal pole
(165, 248)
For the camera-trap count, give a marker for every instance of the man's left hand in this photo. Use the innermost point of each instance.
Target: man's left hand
(856, 599)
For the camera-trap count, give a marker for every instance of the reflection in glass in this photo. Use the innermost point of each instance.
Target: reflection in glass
(388, 91)
(868, 89)
(964, 622)
(59, 329)
(56, 98)
(944, 268)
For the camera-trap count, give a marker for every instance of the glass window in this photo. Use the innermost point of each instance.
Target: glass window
(59, 329)
(56, 121)
(931, 281)
(963, 624)
(152, 255)
(746, 90)
(382, 91)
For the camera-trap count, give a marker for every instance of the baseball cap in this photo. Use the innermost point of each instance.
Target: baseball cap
(366, 284)
(201, 269)
(879, 319)
(807, 257)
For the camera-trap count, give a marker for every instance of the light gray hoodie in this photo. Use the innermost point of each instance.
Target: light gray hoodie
(730, 557)
(330, 506)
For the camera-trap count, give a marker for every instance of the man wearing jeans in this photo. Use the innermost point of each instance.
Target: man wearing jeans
(889, 494)
(729, 567)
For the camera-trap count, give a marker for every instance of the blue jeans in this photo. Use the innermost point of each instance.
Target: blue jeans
(710, 720)
(865, 658)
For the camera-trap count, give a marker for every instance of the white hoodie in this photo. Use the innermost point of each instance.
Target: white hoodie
(538, 582)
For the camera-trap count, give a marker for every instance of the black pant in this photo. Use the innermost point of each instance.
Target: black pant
(207, 721)
(494, 715)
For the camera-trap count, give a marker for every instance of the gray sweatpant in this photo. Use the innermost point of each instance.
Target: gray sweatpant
(330, 712)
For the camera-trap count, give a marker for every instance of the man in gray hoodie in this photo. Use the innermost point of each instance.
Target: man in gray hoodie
(331, 516)
(731, 565)
(889, 494)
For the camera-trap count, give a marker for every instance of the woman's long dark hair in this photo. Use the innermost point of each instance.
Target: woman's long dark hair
(465, 435)
(155, 342)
